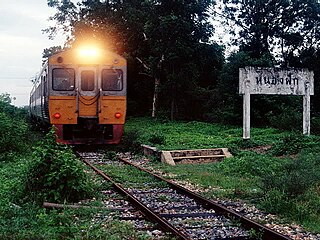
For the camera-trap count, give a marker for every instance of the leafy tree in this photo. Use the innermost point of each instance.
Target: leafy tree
(274, 26)
(5, 104)
(268, 32)
(174, 36)
(13, 128)
(5, 98)
(47, 52)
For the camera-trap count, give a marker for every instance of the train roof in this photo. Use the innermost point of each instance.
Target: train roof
(90, 56)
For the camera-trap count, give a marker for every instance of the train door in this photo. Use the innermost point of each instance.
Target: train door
(88, 92)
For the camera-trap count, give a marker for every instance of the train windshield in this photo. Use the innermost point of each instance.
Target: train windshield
(63, 79)
(112, 80)
(87, 80)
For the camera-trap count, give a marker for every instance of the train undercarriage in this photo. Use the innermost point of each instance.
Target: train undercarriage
(89, 131)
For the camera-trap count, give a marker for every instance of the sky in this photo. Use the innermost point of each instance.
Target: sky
(21, 45)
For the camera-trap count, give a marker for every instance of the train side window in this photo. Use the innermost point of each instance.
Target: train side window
(87, 80)
(45, 87)
(112, 80)
(63, 79)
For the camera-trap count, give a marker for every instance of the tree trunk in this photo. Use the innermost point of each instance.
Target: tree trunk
(155, 96)
(174, 108)
(173, 103)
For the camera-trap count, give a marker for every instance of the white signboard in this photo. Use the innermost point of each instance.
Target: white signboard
(291, 81)
(279, 81)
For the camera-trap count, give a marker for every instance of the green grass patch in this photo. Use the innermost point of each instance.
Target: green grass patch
(130, 176)
(194, 135)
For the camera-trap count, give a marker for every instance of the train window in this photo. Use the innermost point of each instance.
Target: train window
(112, 80)
(63, 79)
(87, 80)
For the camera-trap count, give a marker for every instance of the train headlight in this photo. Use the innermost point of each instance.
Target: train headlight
(117, 115)
(57, 115)
(90, 52)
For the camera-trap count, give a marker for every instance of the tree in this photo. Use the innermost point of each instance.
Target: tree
(5, 98)
(174, 36)
(47, 52)
(279, 27)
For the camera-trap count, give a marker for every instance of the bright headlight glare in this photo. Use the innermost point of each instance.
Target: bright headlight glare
(88, 52)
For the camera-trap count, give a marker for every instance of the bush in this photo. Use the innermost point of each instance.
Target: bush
(286, 118)
(157, 138)
(289, 144)
(250, 164)
(131, 141)
(295, 177)
(275, 201)
(55, 174)
(315, 125)
(13, 134)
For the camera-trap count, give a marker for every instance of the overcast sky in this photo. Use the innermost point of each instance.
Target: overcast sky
(22, 44)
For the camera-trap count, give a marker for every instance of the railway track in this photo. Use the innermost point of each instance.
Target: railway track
(179, 211)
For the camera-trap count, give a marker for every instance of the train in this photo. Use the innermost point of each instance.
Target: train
(82, 92)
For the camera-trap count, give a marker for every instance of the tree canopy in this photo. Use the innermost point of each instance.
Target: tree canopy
(282, 28)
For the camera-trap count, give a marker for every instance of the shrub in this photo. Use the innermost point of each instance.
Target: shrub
(131, 141)
(13, 134)
(315, 125)
(285, 118)
(247, 143)
(250, 164)
(55, 174)
(295, 177)
(275, 201)
(157, 138)
(289, 144)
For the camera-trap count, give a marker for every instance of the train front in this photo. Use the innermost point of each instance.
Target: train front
(87, 96)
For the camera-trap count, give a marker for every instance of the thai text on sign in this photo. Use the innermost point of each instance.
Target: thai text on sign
(275, 81)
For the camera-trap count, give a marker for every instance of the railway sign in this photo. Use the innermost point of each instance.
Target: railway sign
(289, 81)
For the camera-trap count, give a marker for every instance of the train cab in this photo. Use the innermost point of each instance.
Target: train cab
(86, 95)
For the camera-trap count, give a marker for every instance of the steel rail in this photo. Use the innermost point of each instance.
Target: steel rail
(267, 233)
(148, 213)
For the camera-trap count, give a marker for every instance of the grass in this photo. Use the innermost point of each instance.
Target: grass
(129, 176)
(195, 135)
(284, 179)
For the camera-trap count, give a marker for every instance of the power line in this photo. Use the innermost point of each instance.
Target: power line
(14, 78)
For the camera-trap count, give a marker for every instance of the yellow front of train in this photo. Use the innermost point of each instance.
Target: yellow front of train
(87, 95)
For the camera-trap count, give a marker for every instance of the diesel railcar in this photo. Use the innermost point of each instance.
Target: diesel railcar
(82, 92)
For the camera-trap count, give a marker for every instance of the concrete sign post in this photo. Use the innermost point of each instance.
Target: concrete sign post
(290, 81)
(306, 110)
(246, 110)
